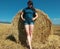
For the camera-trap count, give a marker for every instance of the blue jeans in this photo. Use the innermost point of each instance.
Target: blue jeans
(28, 22)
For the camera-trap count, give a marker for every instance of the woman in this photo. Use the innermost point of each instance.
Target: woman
(28, 16)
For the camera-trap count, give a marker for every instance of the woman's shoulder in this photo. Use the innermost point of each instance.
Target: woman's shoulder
(25, 8)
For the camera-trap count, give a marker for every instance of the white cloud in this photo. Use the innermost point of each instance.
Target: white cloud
(56, 20)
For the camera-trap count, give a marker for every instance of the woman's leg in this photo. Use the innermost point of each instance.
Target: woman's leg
(31, 27)
(28, 35)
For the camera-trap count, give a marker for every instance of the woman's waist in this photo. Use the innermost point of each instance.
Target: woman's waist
(29, 20)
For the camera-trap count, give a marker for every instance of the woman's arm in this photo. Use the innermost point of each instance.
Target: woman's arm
(22, 16)
(35, 16)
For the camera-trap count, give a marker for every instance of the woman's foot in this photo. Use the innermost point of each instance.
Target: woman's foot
(29, 47)
(27, 42)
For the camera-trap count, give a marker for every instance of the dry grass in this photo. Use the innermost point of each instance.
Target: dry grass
(12, 36)
(4, 30)
(56, 29)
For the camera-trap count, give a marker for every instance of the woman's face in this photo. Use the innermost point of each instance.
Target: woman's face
(30, 6)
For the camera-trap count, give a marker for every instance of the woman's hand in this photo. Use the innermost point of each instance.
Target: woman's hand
(33, 19)
(22, 16)
(23, 19)
(35, 16)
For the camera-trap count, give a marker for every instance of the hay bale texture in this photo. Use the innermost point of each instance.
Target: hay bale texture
(41, 31)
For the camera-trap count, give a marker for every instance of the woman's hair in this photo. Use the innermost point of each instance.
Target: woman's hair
(31, 3)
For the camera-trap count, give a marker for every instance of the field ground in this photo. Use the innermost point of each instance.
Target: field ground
(53, 40)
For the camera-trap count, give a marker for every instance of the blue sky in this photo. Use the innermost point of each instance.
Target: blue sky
(9, 8)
